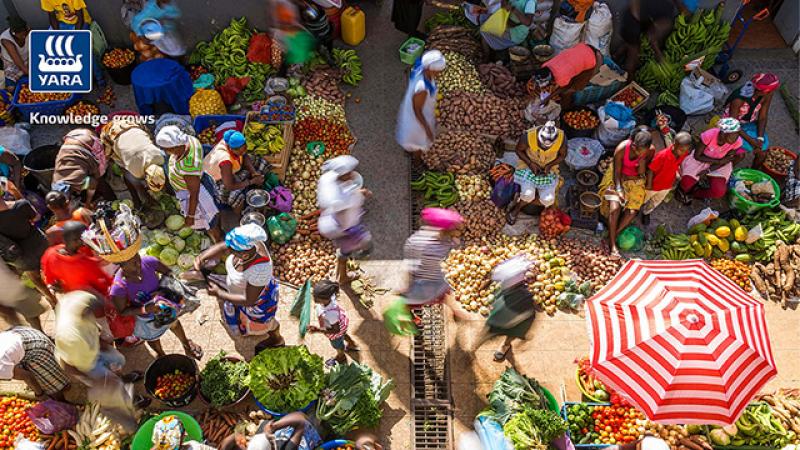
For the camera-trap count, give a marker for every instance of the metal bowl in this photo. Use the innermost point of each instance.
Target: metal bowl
(257, 198)
(253, 217)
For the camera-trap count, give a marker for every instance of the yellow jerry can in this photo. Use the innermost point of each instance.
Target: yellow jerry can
(354, 25)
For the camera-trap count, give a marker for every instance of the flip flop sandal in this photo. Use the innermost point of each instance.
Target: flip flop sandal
(331, 362)
(500, 356)
(132, 377)
(194, 350)
(347, 348)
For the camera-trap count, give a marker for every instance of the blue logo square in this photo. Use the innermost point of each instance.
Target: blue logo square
(60, 61)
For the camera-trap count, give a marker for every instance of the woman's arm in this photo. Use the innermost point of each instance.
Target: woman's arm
(762, 116)
(228, 180)
(217, 250)
(12, 51)
(522, 153)
(53, 20)
(419, 104)
(619, 153)
(162, 268)
(193, 186)
(700, 155)
(126, 309)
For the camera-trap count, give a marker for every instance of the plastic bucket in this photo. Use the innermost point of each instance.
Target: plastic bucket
(743, 205)
(169, 364)
(244, 395)
(41, 163)
(552, 403)
(277, 415)
(575, 132)
(142, 440)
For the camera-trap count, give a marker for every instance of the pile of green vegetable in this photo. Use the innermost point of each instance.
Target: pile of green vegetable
(175, 245)
(511, 393)
(756, 427)
(534, 429)
(223, 381)
(286, 379)
(352, 398)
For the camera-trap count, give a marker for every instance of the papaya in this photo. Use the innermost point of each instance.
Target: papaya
(724, 245)
(699, 228)
(722, 232)
(701, 238)
(737, 247)
(713, 240)
(734, 224)
(740, 233)
(708, 250)
(744, 257)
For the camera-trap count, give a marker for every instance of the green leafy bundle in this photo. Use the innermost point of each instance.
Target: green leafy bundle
(534, 428)
(286, 379)
(511, 393)
(223, 381)
(352, 398)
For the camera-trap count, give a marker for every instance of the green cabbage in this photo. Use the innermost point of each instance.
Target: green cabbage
(185, 232)
(174, 222)
(185, 261)
(169, 256)
(286, 379)
(193, 242)
(161, 237)
(178, 244)
(154, 250)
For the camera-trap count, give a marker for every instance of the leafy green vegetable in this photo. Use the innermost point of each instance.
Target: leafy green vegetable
(286, 379)
(223, 381)
(534, 428)
(352, 398)
(511, 392)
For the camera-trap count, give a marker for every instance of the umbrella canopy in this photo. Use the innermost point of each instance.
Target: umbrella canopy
(680, 341)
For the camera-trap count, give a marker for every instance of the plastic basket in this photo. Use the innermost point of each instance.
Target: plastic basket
(552, 403)
(200, 123)
(46, 108)
(407, 56)
(564, 415)
(743, 205)
(142, 440)
(277, 415)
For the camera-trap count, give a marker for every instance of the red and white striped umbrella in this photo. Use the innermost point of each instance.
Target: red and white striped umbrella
(680, 341)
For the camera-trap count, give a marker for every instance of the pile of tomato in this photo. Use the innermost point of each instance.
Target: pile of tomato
(14, 420)
(336, 136)
(604, 425)
(173, 385)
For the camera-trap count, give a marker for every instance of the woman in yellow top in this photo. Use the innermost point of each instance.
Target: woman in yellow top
(67, 14)
(540, 151)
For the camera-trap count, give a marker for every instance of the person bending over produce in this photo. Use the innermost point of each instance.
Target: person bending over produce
(27, 354)
(512, 311)
(333, 321)
(655, 19)
(663, 172)
(517, 27)
(10, 166)
(170, 434)
(233, 170)
(712, 162)
(622, 190)
(570, 71)
(80, 166)
(15, 49)
(750, 105)
(293, 431)
(416, 121)
(249, 292)
(194, 189)
(540, 151)
(58, 204)
(131, 146)
(340, 198)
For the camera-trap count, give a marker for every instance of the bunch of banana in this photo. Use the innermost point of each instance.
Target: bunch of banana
(96, 431)
(668, 98)
(263, 139)
(350, 64)
(677, 247)
(439, 188)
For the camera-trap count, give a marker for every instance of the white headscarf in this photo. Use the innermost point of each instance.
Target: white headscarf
(171, 136)
(433, 60)
(259, 442)
(340, 165)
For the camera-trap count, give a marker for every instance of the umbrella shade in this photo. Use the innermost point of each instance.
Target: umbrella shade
(680, 341)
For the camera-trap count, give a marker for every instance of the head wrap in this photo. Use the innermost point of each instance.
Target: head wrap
(259, 442)
(155, 177)
(729, 125)
(245, 237)
(433, 60)
(171, 136)
(234, 139)
(653, 443)
(766, 82)
(82, 137)
(340, 165)
(167, 433)
(548, 133)
(445, 219)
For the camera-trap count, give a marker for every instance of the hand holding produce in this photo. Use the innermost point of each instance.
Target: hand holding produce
(173, 385)
(263, 139)
(118, 58)
(26, 96)
(223, 381)
(460, 152)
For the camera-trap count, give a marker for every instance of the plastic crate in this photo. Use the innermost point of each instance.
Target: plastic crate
(564, 416)
(200, 123)
(411, 57)
(593, 93)
(278, 161)
(47, 108)
(640, 90)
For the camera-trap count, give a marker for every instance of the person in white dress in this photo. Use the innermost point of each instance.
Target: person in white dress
(416, 122)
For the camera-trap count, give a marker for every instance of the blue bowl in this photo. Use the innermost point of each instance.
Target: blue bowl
(275, 414)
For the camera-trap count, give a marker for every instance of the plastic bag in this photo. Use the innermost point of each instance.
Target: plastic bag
(695, 98)
(754, 234)
(301, 307)
(631, 239)
(16, 139)
(583, 153)
(99, 41)
(260, 49)
(398, 320)
(497, 22)
(21, 443)
(205, 102)
(187, 292)
(539, 114)
(231, 89)
(504, 191)
(705, 216)
(491, 434)
(610, 132)
(280, 199)
(565, 34)
(597, 32)
(281, 228)
(51, 417)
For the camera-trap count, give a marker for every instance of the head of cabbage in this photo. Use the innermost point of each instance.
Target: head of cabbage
(174, 222)
(185, 261)
(169, 256)
(193, 242)
(178, 244)
(161, 237)
(185, 232)
(154, 250)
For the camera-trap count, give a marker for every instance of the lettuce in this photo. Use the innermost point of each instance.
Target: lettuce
(286, 379)
(352, 398)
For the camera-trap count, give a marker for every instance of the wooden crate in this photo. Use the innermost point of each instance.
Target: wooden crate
(633, 85)
(278, 161)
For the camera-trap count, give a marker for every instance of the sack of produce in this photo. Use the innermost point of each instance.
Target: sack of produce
(231, 89)
(631, 239)
(583, 153)
(566, 34)
(281, 228)
(16, 138)
(597, 32)
(504, 191)
(696, 98)
(51, 416)
(611, 131)
(206, 102)
(553, 223)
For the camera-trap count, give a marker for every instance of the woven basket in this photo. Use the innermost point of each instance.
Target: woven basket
(120, 256)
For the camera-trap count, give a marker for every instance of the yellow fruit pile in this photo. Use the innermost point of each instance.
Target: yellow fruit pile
(206, 102)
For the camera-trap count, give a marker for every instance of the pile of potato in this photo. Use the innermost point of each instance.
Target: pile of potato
(590, 262)
(315, 106)
(672, 434)
(460, 152)
(498, 79)
(301, 177)
(300, 259)
(487, 114)
(473, 187)
(778, 281)
(455, 39)
(481, 218)
(459, 75)
(324, 82)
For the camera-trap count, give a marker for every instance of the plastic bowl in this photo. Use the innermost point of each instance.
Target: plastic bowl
(244, 395)
(169, 364)
(142, 440)
(278, 415)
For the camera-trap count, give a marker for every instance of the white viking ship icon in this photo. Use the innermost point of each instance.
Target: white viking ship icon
(60, 57)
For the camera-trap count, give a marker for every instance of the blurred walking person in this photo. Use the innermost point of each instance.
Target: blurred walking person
(416, 122)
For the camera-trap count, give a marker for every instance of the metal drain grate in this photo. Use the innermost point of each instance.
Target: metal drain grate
(431, 427)
(415, 171)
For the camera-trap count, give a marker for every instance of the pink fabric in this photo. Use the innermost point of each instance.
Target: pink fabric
(570, 62)
(766, 82)
(717, 189)
(630, 167)
(445, 219)
(692, 167)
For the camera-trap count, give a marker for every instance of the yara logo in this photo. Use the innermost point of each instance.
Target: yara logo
(59, 57)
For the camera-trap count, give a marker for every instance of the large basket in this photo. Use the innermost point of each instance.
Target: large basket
(743, 205)
(47, 108)
(242, 398)
(119, 256)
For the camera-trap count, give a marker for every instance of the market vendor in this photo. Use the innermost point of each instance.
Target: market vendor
(194, 189)
(58, 203)
(655, 20)
(10, 167)
(416, 121)
(622, 190)
(570, 71)
(340, 198)
(662, 173)
(295, 430)
(540, 151)
(665, 122)
(517, 26)
(156, 21)
(712, 161)
(169, 433)
(131, 147)
(750, 105)
(233, 170)
(27, 354)
(249, 292)
(80, 165)
(14, 51)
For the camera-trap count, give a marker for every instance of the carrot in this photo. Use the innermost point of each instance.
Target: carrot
(53, 442)
(228, 420)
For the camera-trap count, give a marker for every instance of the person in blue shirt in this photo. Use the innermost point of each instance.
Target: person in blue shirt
(10, 166)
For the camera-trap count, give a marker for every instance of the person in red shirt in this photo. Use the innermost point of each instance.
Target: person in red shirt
(58, 203)
(662, 172)
(72, 266)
